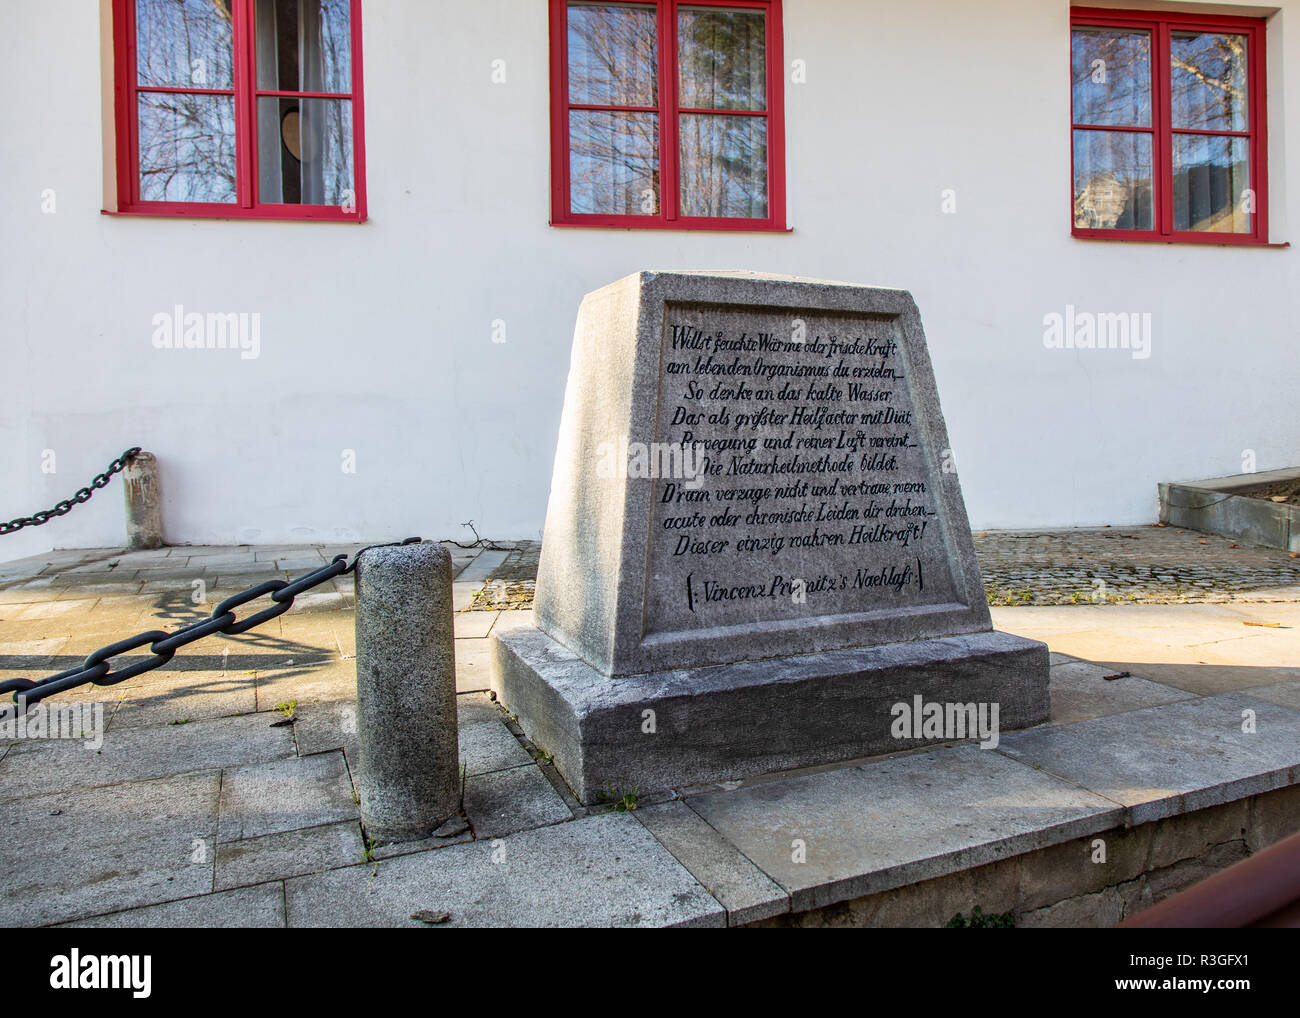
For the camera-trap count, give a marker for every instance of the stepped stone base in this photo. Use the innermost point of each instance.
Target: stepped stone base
(724, 722)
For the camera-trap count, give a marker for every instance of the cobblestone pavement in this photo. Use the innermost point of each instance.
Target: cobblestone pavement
(1137, 565)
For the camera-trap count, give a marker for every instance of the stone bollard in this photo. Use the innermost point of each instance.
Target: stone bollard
(143, 502)
(409, 776)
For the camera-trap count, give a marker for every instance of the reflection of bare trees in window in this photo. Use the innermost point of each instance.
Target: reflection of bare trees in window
(187, 147)
(1112, 77)
(1208, 85)
(187, 138)
(1208, 72)
(724, 166)
(1111, 70)
(722, 61)
(613, 56)
(614, 166)
(614, 152)
(184, 43)
(1209, 92)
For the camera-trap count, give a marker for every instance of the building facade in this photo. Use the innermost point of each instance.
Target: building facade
(323, 258)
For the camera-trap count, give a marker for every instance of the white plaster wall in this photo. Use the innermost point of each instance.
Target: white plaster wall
(377, 338)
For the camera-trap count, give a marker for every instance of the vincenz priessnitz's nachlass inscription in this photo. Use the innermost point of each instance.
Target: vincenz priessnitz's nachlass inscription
(816, 495)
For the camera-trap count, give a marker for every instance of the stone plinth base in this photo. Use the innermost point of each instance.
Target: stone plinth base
(689, 726)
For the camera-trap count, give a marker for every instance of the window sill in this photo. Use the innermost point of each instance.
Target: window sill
(327, 214)
(1211, 240)
(681, 226)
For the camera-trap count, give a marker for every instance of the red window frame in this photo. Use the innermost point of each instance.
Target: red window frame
(1161, 24)
(246, 93)
(669, 216)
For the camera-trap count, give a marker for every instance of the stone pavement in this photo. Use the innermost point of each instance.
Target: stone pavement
(206, 805)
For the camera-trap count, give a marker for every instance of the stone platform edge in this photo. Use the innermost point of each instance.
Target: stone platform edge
(1213, 507)
(662, 730)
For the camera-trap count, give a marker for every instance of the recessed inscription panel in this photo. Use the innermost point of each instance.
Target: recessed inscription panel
(790, 474)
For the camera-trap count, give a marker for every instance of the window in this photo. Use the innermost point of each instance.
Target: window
(667, 115)
(239, 108)
(1168, 127)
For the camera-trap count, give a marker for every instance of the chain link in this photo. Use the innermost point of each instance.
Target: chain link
(82, 495)
(163, 646)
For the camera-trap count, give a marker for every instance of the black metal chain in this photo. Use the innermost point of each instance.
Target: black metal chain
(82, 495)
(163, 646)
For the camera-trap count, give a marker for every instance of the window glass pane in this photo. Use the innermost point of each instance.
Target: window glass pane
(614, 163)
(187, 147)
(1207, 80)
(612, 55)
(724, 166)
(1112, 180)
(304, 45)
(1111, 70)
(721, 59)
(304, 152)
(184, 43)
(1211, 178)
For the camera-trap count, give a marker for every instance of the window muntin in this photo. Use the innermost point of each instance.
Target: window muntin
(678, 135)
(239, 108)
(1168, 127)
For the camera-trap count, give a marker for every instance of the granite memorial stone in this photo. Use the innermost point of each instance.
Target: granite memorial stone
(755, 545)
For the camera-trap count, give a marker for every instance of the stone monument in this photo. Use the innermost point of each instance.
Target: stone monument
(756, 547)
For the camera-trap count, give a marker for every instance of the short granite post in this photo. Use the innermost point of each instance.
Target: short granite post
(143, 502)
(409, 776)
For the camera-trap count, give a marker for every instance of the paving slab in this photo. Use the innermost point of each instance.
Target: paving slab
(288, 854)
(746, 892)
(184, 696)
(509, 620)
(331, 634)
(299, 562)
(1170, 759)
(488, 746)
(472, 708)
(469, 581)
(71, 610)
(30, 656)
(321, 727)
(247, 908)
(603, 871)
(1080, 691)
(1286, 694)
(474, 625)
(285, 795)
(136, 754)
(842, 834)
(1202, 648)
(89, 851)
(509, 801)
(1203, 678)
(483, 566)
(473, 668)
(306, 681)
(28, 593)
(322, 600)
